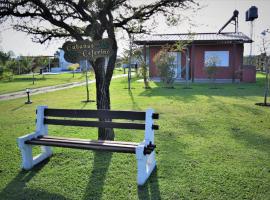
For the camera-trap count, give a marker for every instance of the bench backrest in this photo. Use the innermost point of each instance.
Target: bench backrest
(45, 114)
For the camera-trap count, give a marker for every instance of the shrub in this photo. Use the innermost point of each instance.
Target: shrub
(73, 68)
(6, 74)
(164, 62)
(211, 69)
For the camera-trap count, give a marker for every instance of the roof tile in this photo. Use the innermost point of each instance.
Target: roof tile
(229, 36)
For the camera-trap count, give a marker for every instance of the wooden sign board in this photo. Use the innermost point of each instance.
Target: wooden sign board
(87, 50)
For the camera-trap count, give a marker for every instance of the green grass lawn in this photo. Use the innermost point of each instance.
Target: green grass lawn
(212, 144)
(21, 82)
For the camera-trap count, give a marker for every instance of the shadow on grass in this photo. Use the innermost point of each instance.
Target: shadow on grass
(226, 90)
(135, 105)
(95, 185)
(18, 186)
(150, 190)
(18, 107)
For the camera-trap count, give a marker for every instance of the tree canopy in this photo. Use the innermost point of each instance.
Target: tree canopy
(92, 19)
(68, 18)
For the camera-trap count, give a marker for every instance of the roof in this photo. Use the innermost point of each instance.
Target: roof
(194, 37)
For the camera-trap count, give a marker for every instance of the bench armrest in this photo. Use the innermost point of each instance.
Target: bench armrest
(149, 131)
(22, 139)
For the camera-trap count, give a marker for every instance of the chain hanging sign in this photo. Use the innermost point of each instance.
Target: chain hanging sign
(87, 50)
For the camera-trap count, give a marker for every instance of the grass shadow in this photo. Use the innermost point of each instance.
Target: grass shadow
(18, 186)
(94, 188)
(150, 190)
(224, 90)
(135, 105)
(19, 107)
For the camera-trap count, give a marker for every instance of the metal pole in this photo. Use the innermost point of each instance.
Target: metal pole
(129, 67)
(19, 67)
(49, 64)
(251, 36)
(86, 74)
(187, 66)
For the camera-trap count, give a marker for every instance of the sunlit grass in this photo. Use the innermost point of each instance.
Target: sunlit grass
(21, 82)
(212, 144)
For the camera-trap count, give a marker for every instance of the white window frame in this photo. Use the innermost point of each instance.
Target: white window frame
(223, 56)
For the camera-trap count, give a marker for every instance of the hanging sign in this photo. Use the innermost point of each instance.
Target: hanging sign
(87, 50)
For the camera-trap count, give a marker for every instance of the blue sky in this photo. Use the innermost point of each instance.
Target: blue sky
(210, 18)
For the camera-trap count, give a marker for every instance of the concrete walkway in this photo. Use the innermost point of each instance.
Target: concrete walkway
(34, 91)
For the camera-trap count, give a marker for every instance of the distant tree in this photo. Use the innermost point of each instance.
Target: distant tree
(211, 69)
(12, 65)
(265, 50)
(73, 68)
(181, 46)
(4, 57)
(6, 63)
(41, 63)
(26, 64)
(143, 70)
(165, 64)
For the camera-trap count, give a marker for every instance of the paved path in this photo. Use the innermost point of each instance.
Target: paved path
(34, 91)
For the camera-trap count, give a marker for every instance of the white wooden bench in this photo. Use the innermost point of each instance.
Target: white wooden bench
(144, 151)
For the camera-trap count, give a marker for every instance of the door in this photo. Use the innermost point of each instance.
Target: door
(176, 63)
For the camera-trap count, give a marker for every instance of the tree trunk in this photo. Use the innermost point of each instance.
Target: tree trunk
(103, 75)
(33, 78)
(266, 91)
(103, 102)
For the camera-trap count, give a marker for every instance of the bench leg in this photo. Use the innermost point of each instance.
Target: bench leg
(145, 164)
(26, 151)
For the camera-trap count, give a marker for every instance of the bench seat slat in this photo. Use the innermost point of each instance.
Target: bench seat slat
(83, 145)
(99, 141)
(90, 142)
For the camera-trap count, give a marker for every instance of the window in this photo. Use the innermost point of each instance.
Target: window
(176, 63)
(174, 56)
(216, 58)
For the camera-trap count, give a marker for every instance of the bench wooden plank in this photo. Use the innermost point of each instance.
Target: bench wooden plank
(99, 141)
(83, 145)
(111, 114)
(73, 113)
(99, 124)
(90, 142)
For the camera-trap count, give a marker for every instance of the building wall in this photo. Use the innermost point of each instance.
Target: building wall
(153, 71)
(197, 61)
(235, 60)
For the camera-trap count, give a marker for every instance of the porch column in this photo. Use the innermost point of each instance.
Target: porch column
(187, 63)
(192, 62)
(234, 56)
(144, 53)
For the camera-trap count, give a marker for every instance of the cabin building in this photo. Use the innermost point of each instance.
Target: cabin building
(226, 48)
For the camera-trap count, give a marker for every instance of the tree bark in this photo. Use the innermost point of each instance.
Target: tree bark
(103, 75)
(266, 90)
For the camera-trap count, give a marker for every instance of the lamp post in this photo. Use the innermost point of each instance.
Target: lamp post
(28, 96)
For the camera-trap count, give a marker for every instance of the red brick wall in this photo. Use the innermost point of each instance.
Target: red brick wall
(235, 60)
(197, 60)
(249, 74)
(153, 71)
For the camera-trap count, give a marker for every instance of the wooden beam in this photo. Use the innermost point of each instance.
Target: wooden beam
(110, 114)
